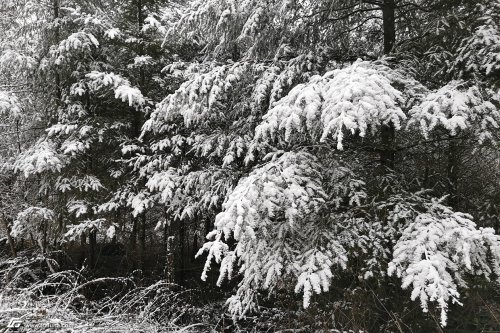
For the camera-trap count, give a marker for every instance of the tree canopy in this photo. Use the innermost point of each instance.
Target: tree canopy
(296, 147)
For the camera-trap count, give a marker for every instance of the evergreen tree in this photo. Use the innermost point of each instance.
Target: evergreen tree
(312, 143)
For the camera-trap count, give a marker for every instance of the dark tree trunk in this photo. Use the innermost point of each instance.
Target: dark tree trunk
(9, 237)
(387, 152)
(182, 252)
(93, 248)
(83, 244)
(61, 226)
(194, 249)
(168, 242)
(44, 237)
(389, 23)
(133, 235)
(387, 131)
(452, 173)
(169, 269)
(137, 114)
(142, 241)
(57, 76)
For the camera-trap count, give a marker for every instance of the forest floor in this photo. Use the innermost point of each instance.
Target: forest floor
(34, 297)
(15, 317)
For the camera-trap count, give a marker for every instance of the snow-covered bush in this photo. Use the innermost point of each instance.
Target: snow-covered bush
(436, 252)
(37, 222)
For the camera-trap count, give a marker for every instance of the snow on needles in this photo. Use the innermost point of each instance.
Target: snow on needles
(455, 107)
(436, 250)
(121, 86)
(269, 208)
(355, 98)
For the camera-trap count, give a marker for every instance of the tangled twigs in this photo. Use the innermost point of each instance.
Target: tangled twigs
(35, 292)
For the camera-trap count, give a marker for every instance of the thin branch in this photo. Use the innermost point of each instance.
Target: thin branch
(361, 10)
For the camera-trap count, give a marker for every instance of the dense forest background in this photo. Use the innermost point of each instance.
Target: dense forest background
(319, 164)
